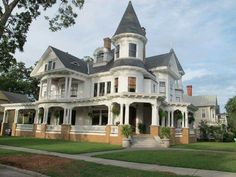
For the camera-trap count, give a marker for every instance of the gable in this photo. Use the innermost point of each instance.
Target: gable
(48, 56)
(173, 66)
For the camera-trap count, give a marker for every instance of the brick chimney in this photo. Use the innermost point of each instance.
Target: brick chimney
(189, 90)
(107, 43)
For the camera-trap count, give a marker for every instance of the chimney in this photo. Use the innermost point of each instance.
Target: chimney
(189, 90)
(107, 43)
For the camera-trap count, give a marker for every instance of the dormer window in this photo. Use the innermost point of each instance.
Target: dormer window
(100, 57)
(74, 63)
(118, 51)
(132, 50)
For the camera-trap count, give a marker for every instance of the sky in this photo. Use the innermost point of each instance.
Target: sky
(202, 33)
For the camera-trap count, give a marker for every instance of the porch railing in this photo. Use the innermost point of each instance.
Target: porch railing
(114, 130)
(88, 129)
(192, 132)
(39, 128)
(24, 127)
(53, 128)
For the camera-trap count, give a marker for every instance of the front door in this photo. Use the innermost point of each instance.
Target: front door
(132, 118)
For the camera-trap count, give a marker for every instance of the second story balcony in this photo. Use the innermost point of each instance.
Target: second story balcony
(57, 88)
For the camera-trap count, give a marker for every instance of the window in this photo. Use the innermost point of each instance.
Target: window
(74, 89)
(62, 89)
(104, 117)
(108, 87)
(102, 89)
(100, 57)
(116, 85)
(171, 97)
(178, 99)
(46, 67)
(162, 87)
(118, 51)
(154, 88)
(132, 84)
(73, 117)
(53, 65)
(132, 50)
(95, 90)
(203, 113)
(49, 65)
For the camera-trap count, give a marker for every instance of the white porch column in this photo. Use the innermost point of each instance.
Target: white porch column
(45, 116)
(183, 120)
(121, 113)
(69, 87)
(16, 116)
(49, 82)
(66, 87)
(109, 115)
(186, 119)
(126, 114)
(168, 119)
(4, 116)
(172, 119)
(65, 116)
(100, 117)
(69, 116)
(41, 90)
(36, 117)
(155, 115)
(163, 121)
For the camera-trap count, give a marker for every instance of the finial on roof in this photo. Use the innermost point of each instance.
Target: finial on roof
(172, 50)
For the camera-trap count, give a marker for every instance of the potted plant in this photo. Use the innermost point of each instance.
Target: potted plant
(126, 132)
(57, 116)
(165, 136)
(141, 128)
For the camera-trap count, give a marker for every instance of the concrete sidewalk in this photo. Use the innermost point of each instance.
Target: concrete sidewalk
(131, 165)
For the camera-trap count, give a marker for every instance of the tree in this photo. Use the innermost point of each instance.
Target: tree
(18, 80)
(16, 17)
(231, 113)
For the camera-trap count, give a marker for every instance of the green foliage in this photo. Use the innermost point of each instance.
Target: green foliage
(126, 131)
(216, 133)
(142, 128)
(165, 133)
(191, 119)
(16, 16)
(115, 110)
(231, 114)
(18, 80)
(179, 115)
(57, 114)
(162, 113)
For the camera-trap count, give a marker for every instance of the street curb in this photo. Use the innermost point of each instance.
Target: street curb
(32, 173)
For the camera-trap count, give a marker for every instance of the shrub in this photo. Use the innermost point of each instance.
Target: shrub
(165, 132)
(126, 131)
(228, 137)
(115, 110)
(142, 128)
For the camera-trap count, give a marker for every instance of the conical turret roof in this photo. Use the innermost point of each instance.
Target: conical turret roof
(129, 22)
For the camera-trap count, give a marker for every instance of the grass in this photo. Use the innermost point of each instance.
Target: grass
(61, 146)
(80, 168)
(188, 159)
(216, 146)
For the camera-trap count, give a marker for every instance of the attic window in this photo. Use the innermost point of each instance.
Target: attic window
(74, 63)
(100, 57)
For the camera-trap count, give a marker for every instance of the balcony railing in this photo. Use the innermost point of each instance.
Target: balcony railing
(88, 129)
(24, 127)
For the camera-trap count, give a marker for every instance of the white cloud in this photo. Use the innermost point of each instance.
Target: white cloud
(191, 74)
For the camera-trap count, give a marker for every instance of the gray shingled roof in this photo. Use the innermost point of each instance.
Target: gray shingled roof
(129, 22)
(162, 60)
(15, 97)
(68, 59)
(201, 100)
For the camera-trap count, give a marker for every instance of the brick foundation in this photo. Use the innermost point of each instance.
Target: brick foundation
(65, 132)
(155, 130)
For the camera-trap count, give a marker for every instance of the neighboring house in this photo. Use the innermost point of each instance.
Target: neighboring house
(222, 119)
(208, 108)
(77, 99)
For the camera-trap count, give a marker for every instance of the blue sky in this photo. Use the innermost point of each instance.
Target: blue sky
(202, 33)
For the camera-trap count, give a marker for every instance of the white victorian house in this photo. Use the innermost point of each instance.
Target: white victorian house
(77, 97)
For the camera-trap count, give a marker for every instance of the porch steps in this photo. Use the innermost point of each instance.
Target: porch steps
(144, 141)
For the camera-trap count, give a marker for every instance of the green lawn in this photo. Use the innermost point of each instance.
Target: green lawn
(209, 146)
(189, 159)
(74, 168)
(68, 147)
